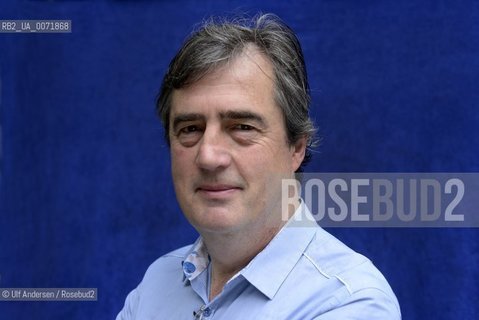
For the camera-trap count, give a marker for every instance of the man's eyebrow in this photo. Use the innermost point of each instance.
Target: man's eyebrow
(243, 115)
(184, 117)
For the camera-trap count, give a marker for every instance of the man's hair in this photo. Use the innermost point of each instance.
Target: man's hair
(217, 42)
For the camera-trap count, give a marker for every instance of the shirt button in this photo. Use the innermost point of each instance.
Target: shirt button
(207, 312)
(189, 267)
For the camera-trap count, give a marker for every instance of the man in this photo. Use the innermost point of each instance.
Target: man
(234, 104)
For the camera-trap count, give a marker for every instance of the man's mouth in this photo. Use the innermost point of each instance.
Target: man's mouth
(217, 191)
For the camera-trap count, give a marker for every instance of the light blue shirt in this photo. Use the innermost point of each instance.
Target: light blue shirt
(303, 273)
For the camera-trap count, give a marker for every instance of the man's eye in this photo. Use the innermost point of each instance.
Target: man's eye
(243, 127)
(189, 129)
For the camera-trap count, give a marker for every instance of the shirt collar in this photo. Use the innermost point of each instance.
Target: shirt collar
(268, 270)
(196, 261)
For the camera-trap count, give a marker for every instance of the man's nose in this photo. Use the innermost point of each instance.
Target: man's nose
(213, 152)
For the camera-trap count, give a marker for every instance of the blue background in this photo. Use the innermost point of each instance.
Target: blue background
(86, 194)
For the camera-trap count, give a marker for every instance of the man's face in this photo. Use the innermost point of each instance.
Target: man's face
(229, 148)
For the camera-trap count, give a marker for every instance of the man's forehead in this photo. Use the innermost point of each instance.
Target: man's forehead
(252, 57)
(250, 62)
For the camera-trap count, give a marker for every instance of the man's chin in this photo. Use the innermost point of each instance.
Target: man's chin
(217, 217)
(218, 224)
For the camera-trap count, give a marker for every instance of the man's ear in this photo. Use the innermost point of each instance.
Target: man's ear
(298, 150)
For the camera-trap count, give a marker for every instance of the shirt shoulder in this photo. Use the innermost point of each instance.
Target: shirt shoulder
(162, 281)
(178, 253)
(360, 281)
(168, 262)
(332, 258)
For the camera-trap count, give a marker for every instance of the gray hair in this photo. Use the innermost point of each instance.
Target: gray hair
(217, 42)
